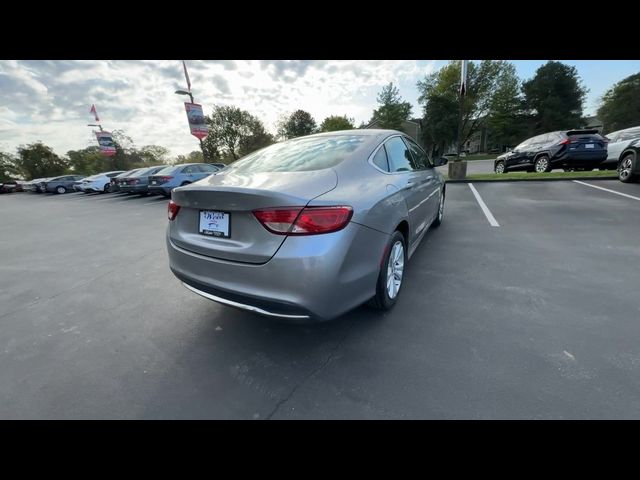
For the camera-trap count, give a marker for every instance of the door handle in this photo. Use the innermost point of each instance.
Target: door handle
(408, 185)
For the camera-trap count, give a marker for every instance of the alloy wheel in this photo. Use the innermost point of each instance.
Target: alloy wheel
(395, 269)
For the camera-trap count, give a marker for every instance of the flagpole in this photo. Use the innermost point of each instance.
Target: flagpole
(463, 87)
(186, 76)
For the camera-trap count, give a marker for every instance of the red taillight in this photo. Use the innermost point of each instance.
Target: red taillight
(566, 141)
(165, 178)
(304, 221)
(172, 210)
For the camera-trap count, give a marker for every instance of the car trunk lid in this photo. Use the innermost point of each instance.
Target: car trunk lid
(238, 195)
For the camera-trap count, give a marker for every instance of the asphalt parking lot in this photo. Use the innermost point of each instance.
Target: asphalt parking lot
(535, 318)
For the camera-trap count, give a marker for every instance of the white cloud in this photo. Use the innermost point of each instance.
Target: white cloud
(50, 100)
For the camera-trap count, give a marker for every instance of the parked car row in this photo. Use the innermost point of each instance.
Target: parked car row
(11, 186)
(160, 179)
(576, 150)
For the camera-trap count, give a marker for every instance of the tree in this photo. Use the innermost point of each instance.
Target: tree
(88, 160)
(554, 96)
(258, 139)
(620, 106)
(195, 157)
(392, 111)
(37, 160)
(488, 84)
(8, 169)
(335, 123)
(507, 121)
(154, 154)
(298, 124)
(233, 133)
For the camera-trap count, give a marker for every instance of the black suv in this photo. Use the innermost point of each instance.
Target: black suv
(570, 149)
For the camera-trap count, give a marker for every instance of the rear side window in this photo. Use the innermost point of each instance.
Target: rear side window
(299, 155)
(206, 168)
(420, 157)
(189, 169)
(380, 159)
(400, 159)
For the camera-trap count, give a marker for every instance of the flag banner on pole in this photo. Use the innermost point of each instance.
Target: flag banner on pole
(107, 146)
(95, 114)
(196, 120)
(463, 77)
(186, 75)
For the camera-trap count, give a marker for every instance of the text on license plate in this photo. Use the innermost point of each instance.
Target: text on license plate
(589, 145)
(215, 224)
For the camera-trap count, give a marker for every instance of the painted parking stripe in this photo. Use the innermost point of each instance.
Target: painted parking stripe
(607, 190)
(483, 206)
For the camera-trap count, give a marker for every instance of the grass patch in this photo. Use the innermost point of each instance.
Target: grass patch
(505, 177)
(480, 156)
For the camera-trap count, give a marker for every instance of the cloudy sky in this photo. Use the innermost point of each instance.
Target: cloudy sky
(49, 100)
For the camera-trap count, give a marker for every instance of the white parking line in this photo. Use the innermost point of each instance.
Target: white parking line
(607, 190)
(483, 206)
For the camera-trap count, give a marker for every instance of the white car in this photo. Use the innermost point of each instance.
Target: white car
(618, 142)
(100, 182)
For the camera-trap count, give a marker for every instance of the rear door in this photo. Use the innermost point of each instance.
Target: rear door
(410, 180)
(517, 154)
(430, 187)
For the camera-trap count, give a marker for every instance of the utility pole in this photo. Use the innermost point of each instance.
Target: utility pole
(188, 92)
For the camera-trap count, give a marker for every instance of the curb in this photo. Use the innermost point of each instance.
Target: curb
(564, 179)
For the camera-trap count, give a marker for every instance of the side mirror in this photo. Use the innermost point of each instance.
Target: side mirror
(441, 161)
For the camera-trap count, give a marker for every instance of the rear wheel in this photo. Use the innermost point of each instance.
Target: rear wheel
(61, 189)
(625, 169)
(438, 220)
(107, 188)
(499, 168)
(184, 183)
(391, 273)
(542, 164)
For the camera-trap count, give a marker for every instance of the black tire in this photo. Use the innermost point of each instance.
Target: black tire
(626, 167)
(61, 189)
(184, 183)
(439, 217)
(496, 168)
(107, 188)
(382, 300)
(539, 162)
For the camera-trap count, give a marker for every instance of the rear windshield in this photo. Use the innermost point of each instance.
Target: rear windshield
(168, 170)
(299, 155)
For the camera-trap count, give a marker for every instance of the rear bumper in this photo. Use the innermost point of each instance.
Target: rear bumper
(586, 159)
(134, 188)
(160, 189)
(312, 278)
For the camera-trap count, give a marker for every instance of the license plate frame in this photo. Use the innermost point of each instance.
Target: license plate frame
(219, 232)
(589, 145)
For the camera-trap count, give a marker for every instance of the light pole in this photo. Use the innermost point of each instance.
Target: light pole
(187, 92)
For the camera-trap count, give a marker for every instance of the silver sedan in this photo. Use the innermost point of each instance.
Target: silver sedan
(309, 228)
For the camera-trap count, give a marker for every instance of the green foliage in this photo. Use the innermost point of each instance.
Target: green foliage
(154, 154)
(490, 90)
(620, 106)
(88, 161)
(195, 157)
(8, 169)
(37, 160)
(233, 133)
(298, 124)
(392, 111)
(335, 123)
(507, 121)
(554, 96)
